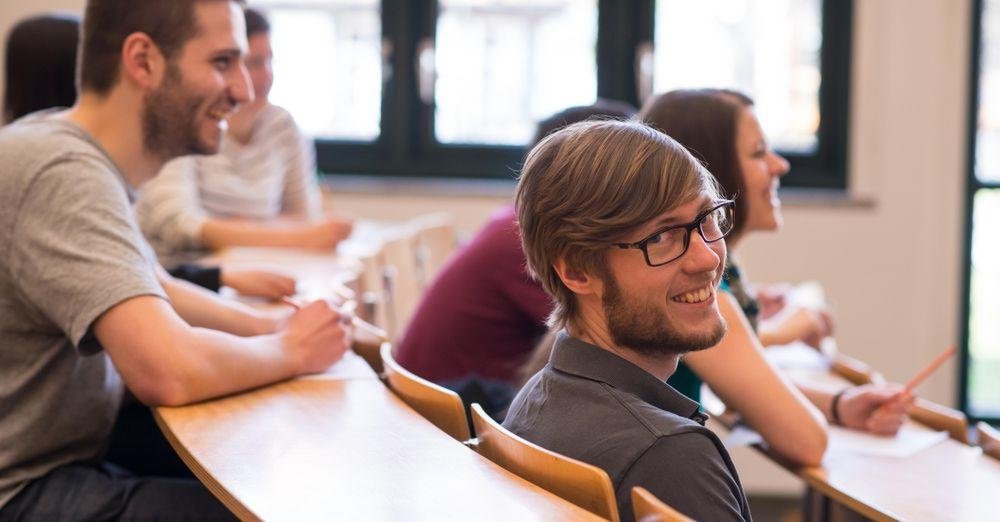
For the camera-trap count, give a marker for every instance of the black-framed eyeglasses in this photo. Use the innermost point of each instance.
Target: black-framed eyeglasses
(670, 243)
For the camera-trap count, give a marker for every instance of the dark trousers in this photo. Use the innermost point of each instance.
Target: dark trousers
(107, 492)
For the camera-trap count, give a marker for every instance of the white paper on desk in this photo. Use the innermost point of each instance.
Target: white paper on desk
(909, 441)
(742, 436)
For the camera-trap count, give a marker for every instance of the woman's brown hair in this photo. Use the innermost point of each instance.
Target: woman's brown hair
(704, 121)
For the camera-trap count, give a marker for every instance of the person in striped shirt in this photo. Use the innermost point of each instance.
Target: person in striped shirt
(260, 190)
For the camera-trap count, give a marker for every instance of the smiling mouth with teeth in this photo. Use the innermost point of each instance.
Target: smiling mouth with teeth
(696, 296)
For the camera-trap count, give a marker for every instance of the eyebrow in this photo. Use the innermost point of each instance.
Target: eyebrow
(706, 204)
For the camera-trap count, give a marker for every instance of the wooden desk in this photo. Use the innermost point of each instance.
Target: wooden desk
(344, 449)
(949, 481)
(341, 446)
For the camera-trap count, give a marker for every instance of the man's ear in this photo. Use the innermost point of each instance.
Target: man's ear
(142, 62)
(578, 281)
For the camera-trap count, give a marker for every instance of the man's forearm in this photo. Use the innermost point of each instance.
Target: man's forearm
(200, 307)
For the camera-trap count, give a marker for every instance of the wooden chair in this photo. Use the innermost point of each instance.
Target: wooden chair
(437, 404)
(400, 283)
(434, 240)
(941, 418)
(580, 483)
(648, 508)
(371, 290)
(368, 341)
(989, 439)
(854, 370)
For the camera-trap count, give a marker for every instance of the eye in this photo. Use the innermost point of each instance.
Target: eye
(222, 63)
(654, 239)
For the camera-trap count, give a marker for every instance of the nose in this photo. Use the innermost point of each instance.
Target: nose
(240, 87)
(779, 165)
(702, 256)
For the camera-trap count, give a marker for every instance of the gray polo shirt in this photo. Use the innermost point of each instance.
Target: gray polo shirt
(69, 251)
(593, 406)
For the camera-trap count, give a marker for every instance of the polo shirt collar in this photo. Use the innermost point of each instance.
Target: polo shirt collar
(573, 356)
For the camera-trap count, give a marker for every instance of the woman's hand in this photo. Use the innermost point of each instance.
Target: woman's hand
(878, 409)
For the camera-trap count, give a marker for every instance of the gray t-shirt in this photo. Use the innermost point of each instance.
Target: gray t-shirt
(69, 251)
(593, 406)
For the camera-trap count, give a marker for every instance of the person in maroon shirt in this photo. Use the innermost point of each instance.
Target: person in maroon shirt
(480, 319)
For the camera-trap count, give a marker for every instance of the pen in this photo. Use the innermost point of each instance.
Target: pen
(923, 374)
(347, 312)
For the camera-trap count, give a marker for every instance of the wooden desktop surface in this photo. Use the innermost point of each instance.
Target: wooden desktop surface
(948, 481)
(341, 446)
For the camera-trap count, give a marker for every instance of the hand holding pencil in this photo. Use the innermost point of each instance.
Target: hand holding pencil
(315, 336)
(882, 409)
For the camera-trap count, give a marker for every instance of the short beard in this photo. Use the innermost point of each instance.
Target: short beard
(170, 120)
(646, 331)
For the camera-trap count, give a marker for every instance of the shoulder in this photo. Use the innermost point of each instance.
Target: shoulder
(274, 118)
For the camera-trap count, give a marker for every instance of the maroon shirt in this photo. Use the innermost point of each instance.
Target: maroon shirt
(483, 313)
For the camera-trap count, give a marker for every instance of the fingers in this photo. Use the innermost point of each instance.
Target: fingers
(885, 424)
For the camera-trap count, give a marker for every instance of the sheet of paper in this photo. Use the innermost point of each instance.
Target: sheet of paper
(742, 436)
(910, 440)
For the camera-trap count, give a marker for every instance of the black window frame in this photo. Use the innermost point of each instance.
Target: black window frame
(406, 146)
(972, 185)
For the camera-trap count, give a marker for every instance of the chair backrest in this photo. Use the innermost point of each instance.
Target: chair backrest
(853, 370)
(367, 343)
(371, 291)
(942, 418)
(434, 240)
(989, 439)
(578, 482)
(437, 404)
(400, 283)
(648, 508)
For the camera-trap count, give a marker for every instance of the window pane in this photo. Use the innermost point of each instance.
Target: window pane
(503, 65)
(769, 49)
(328, 65)
(984, 306)
(988, 135)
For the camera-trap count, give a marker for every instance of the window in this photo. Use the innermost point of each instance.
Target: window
(334, 93)
(453, 88)
(980, 388)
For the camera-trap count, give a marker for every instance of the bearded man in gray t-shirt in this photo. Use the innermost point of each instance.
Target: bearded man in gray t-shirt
(84, 308)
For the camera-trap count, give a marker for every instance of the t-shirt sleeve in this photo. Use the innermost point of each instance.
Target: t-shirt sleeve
(687, 472)
(169, 208)
(77, 251)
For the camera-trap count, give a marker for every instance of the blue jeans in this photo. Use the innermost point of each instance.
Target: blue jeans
(107, 492)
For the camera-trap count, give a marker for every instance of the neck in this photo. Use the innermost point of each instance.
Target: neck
(115, 122)
(593, 328)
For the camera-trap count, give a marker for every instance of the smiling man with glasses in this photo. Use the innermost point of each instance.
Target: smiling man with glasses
(624, 228)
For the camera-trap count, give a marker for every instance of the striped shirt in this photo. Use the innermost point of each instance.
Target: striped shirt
(273, 174)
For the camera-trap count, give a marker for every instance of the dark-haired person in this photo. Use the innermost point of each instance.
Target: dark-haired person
(259, 190)
(721, 128)
(40, 66)
(634, 274)
(85, 310)
(482, 315)
(41, 74)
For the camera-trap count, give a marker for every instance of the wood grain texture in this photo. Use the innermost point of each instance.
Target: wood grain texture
(437, 404)
(949, 481)
(323, 449)
(583, 484)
